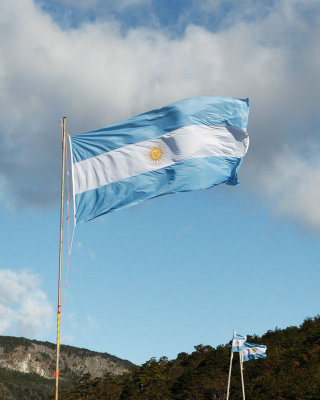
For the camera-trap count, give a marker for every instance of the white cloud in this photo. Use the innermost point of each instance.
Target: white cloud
(97, 75)
(6, 317)
(24, 307)
(293, 184)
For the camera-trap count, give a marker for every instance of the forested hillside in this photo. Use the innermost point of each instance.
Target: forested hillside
(27, 367)
(290, 372)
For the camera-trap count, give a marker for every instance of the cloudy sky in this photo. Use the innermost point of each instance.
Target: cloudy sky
(185, 269)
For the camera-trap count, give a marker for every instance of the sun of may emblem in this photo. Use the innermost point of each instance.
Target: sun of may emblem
(156, 154)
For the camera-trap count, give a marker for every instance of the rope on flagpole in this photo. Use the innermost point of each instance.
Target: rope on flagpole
(70, 244)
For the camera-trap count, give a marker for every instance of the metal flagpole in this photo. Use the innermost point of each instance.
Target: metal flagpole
(230, 368)
(241, 370)
(60, 254)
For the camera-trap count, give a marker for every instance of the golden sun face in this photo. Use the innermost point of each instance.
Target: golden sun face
(156, 153)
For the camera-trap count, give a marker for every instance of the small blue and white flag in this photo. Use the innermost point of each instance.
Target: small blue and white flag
(192, 144)
(238, 343)
(253, 351)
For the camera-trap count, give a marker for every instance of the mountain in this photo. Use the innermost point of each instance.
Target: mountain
(28, 366)
(291, 371)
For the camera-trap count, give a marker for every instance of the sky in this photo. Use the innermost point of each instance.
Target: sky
(181, 270)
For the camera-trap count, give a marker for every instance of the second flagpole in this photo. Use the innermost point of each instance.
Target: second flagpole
(230, 368)
(241, 371)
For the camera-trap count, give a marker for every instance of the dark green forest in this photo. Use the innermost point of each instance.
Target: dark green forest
(291, 371)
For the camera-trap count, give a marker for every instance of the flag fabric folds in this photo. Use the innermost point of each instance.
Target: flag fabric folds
(192, 144)
(253, 351)
(238, 343)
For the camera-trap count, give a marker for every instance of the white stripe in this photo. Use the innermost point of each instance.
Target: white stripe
(237, 342)
(73, 183)
(254, 350)
(182, 144)
(257, 350)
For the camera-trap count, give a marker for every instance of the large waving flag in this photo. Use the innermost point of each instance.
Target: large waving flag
(238, 343)
(192, 144)
(253, 351)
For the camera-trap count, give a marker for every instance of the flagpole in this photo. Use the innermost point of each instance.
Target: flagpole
(241, 370)
(60, 255)
(230, 368)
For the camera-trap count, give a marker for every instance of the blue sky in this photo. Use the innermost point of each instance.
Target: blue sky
(185, 269)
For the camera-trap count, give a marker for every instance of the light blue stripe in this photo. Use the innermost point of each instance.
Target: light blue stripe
(253, 357)
(251, 345)
(239, 337)
(193, 174)
(204, 110)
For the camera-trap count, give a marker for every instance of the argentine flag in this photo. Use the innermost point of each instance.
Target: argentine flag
(238, 343)
(191, 144)
(253, 351)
